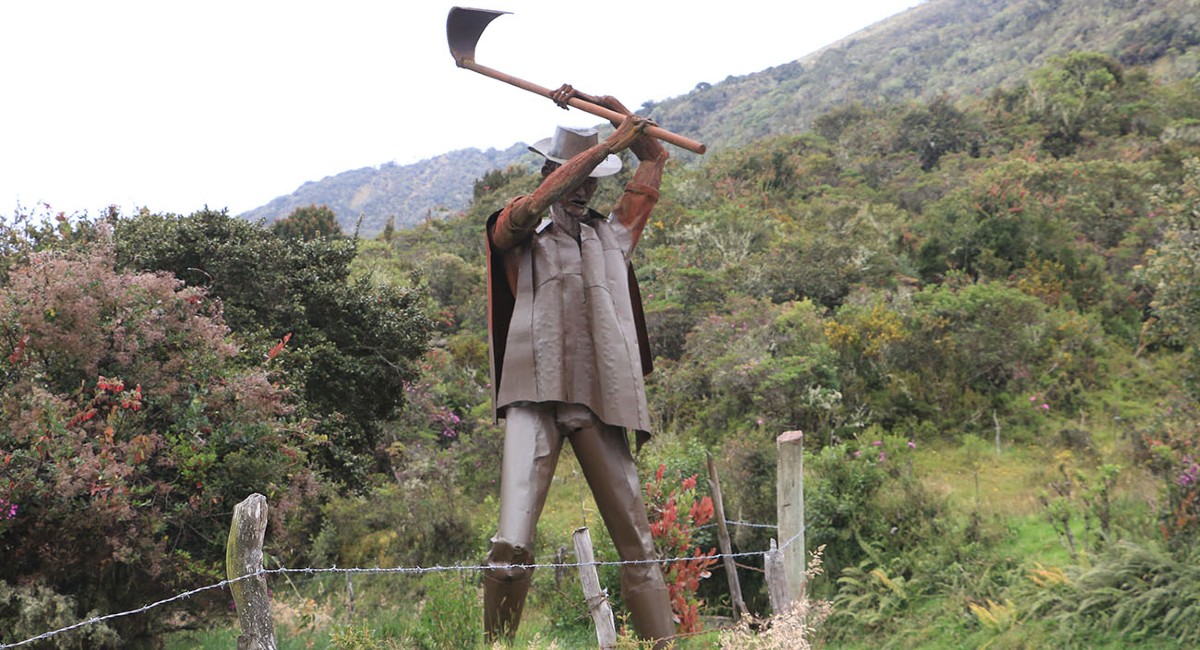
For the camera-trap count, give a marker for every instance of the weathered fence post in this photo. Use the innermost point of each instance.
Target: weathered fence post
(561, 558)
(597, 601)
(735, 587)
(789, 510)
(243, 556)
(776, 579)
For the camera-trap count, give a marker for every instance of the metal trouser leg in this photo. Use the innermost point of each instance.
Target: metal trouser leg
(531, 448)
(604, 456)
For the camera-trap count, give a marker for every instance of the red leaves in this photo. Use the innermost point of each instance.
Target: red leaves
(278, 347)
(81, 417)
(112, 385)
(673, 536)
(702, 511)
(130, 400)
(19, 351)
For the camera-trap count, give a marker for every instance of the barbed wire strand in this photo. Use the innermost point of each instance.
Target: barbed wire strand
(385, 570)
(744, 524)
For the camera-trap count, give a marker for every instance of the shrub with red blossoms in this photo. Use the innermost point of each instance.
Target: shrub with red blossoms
(129, 427)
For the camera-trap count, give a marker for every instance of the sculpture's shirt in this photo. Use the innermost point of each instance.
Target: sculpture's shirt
(565, 317)
(572, 336)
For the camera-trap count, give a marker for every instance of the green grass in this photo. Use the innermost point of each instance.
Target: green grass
(1003, 480)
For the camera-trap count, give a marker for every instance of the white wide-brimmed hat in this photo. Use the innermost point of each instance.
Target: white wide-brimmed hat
(569, 142)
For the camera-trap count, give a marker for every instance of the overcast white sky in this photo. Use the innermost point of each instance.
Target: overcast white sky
(174, 105)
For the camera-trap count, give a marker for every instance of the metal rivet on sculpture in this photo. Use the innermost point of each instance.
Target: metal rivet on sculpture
(568, 342)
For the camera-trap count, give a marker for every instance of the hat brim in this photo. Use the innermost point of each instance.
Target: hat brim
(607, 167)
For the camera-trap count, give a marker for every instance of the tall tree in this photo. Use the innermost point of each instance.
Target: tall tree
(312, 222)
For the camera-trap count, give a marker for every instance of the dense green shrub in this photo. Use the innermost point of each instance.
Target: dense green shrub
(1173, 271)
(758, 365)
(862, 501)
(419, 518)
(28, 611)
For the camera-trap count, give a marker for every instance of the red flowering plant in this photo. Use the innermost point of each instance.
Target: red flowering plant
(675, 518)
(129, 426)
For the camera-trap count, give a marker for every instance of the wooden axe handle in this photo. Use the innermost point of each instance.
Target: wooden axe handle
(595, 109)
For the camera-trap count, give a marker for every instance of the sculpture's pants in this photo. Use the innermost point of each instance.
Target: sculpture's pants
(533, 438)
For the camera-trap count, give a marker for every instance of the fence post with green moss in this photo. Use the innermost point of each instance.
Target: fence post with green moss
(244, 557)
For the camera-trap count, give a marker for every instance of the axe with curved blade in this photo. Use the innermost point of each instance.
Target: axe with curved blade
(464, 26)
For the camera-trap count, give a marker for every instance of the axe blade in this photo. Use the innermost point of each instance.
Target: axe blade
(464, 26)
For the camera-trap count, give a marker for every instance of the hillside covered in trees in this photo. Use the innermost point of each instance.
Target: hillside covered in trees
(980, 307)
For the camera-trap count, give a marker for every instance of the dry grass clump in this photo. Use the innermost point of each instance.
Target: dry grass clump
(789, 629)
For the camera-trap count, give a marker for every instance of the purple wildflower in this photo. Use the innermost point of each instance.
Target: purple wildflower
(1189, 476)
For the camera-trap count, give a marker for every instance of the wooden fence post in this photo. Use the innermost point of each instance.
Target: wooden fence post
(776, 579)
(243, 556)
(789, 509)
(597, 601)
(735, 587)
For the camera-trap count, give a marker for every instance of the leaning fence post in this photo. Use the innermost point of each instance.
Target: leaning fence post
(597, 601)
(789, 510)
(243, 556)
(776, 579)
(735, 587)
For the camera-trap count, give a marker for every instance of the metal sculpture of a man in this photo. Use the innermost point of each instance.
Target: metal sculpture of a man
(569, 351)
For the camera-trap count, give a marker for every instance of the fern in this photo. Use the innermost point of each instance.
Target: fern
(868, 597)
(1139, 592)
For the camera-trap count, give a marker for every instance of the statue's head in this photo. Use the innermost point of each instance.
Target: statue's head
(566, 143)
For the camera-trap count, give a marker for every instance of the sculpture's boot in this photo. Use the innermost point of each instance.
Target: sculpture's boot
(504, 590)
(650, 608)
(503, 601)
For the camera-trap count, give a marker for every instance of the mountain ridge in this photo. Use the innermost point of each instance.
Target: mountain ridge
(409, 193)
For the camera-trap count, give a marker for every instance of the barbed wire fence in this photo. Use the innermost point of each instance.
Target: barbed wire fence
(313, 571)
